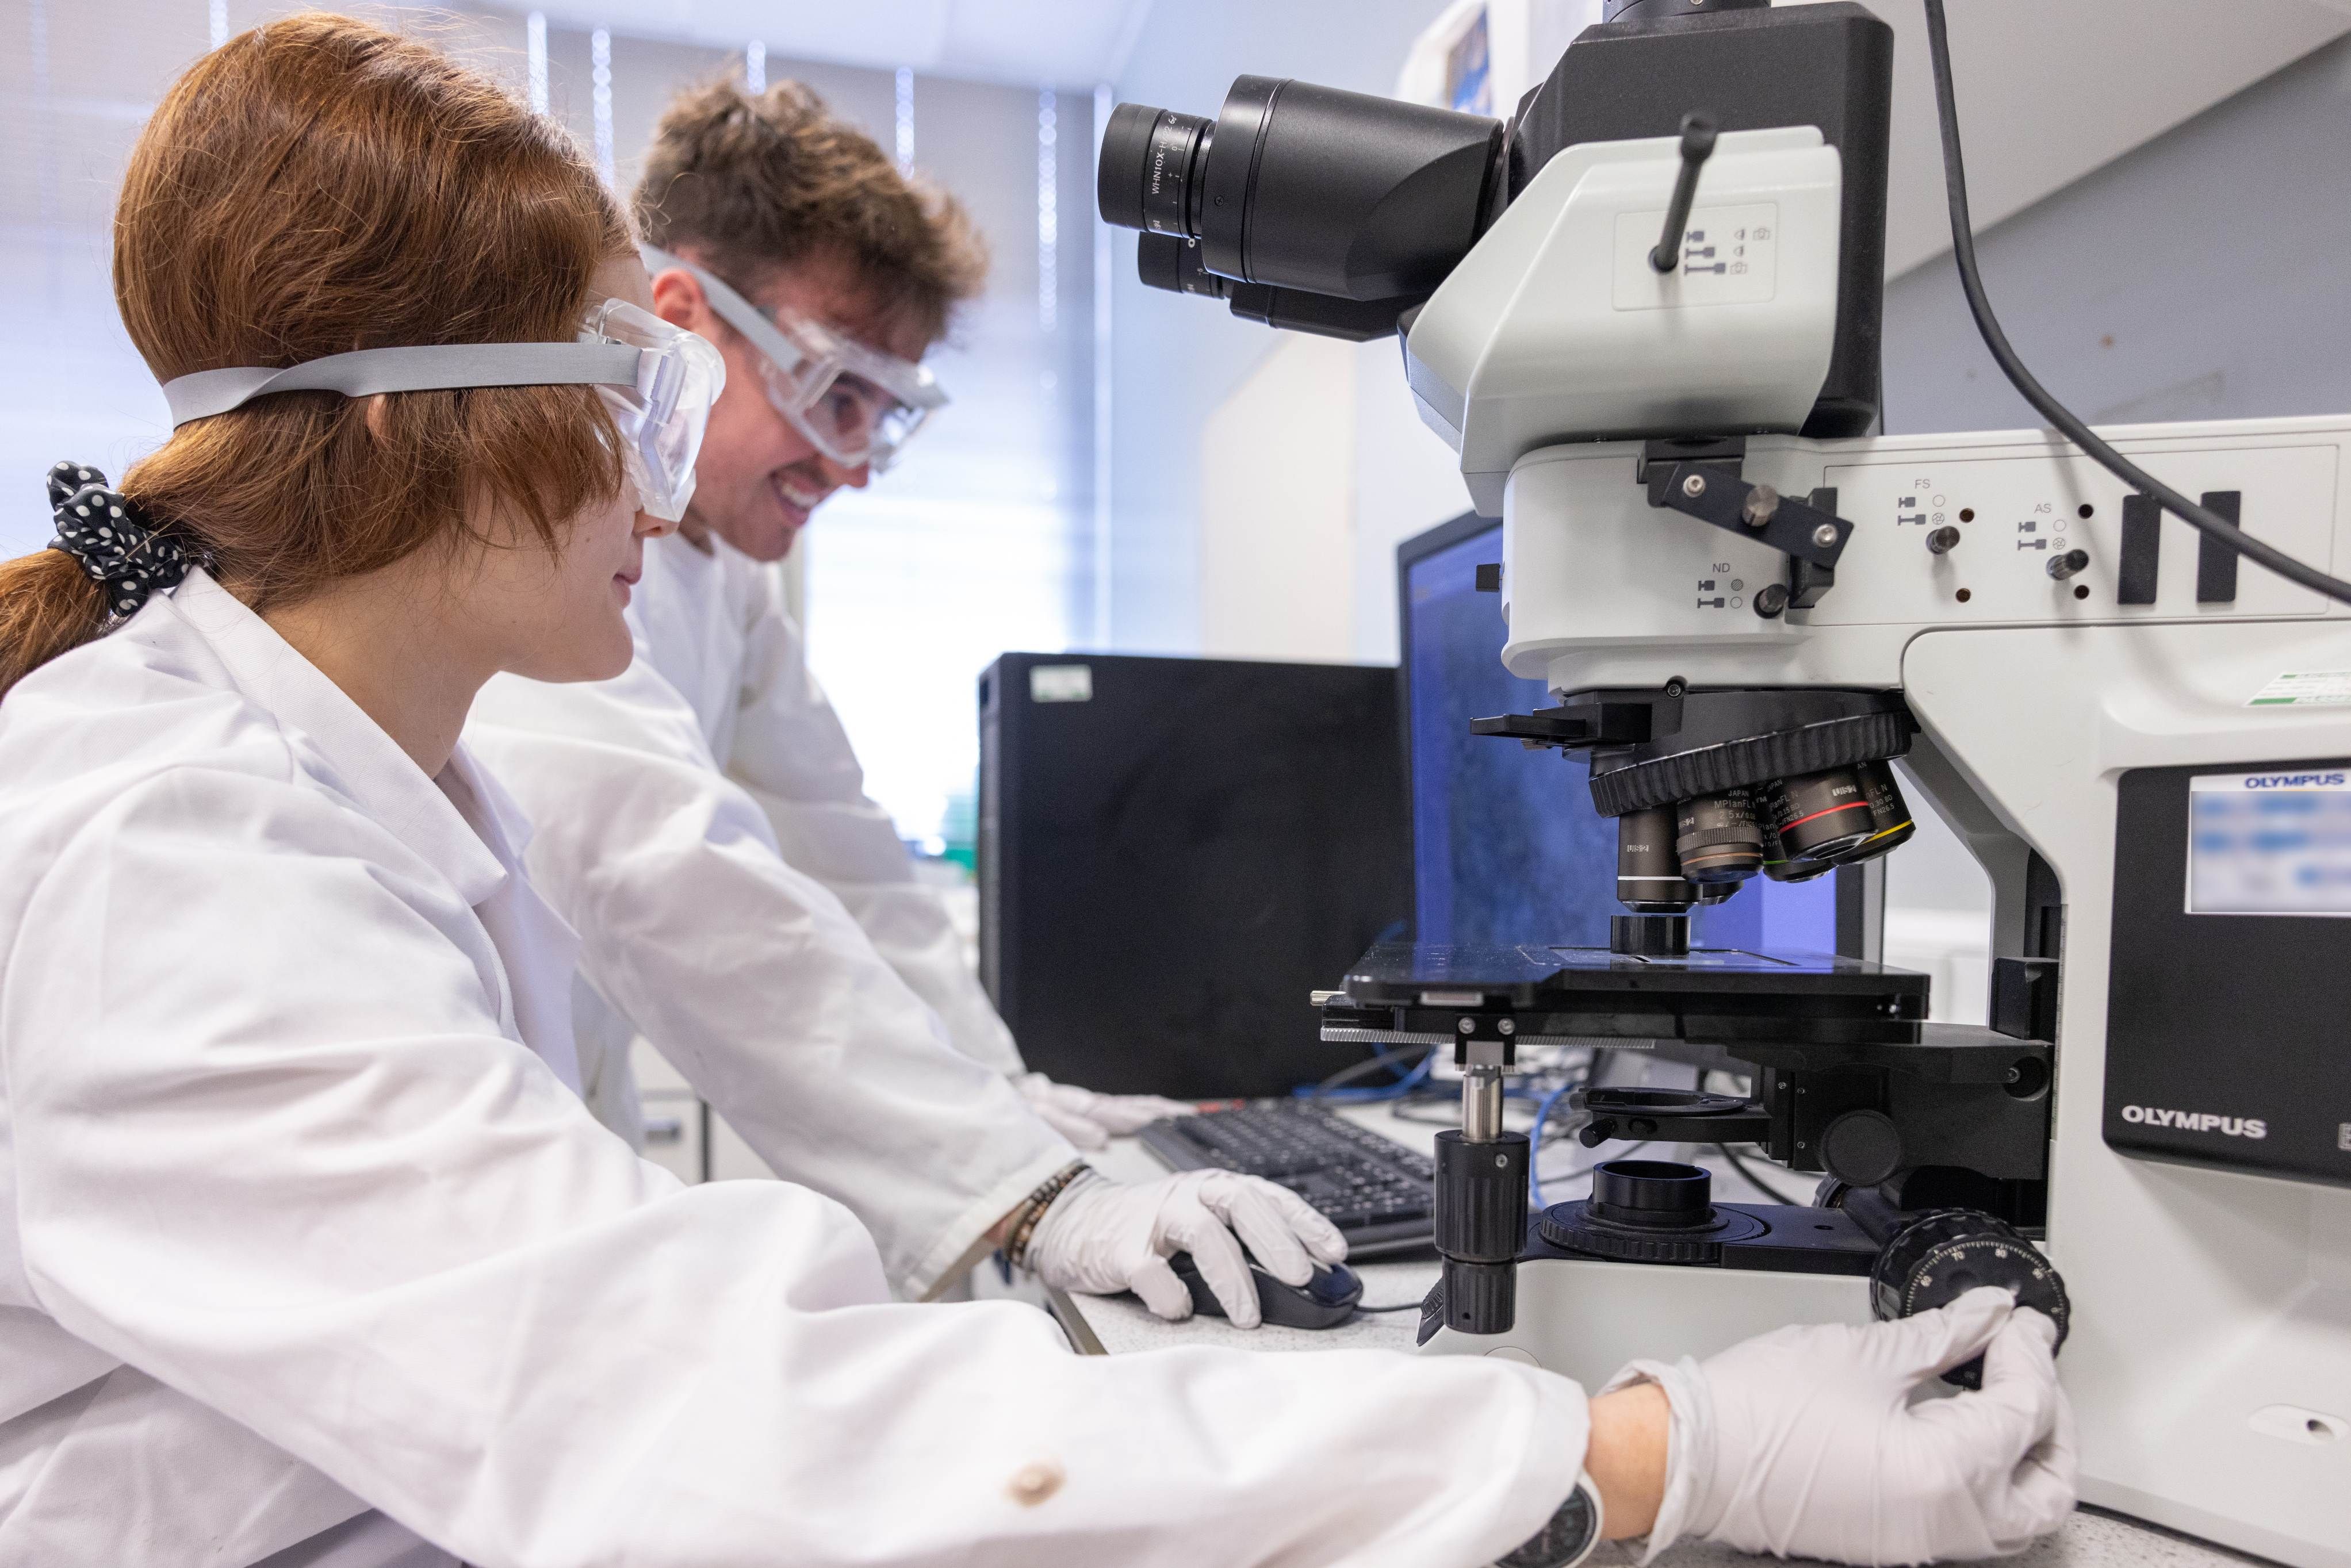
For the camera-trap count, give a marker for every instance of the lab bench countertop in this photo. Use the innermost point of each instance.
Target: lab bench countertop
(1121, 1325)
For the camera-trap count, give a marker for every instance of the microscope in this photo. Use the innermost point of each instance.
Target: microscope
(1646, 312)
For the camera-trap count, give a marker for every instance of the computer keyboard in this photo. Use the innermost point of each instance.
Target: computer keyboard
(1376, 1191)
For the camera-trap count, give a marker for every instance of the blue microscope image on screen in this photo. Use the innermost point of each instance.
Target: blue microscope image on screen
(1506, 847)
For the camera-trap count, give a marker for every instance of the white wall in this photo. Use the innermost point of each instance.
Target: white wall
(1277, 509)
(1406, 480)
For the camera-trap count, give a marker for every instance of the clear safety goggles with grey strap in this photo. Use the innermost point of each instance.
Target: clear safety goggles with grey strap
(657, 380)
(857, 405)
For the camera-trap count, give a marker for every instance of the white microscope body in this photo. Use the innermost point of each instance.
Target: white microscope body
(2210, 1358)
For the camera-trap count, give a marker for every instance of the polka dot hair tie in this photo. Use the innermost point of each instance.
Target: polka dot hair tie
(116, 543)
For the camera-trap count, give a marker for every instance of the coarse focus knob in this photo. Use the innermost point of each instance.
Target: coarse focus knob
(1944, 1254)
(1480, 1207)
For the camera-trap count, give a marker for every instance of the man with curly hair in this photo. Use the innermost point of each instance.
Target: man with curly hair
(702, 821)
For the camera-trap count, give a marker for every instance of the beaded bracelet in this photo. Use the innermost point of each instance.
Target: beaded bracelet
(1032, 1209)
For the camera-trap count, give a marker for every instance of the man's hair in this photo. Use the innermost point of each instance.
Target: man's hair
(755, 186)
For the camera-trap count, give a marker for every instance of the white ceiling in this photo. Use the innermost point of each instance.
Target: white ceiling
(1064, 43)
(2048, 90)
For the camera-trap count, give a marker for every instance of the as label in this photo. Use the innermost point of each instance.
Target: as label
(2306, 688)
(1061, 683)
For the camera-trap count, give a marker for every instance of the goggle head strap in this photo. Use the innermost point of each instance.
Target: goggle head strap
(364, 373)
(733, 309)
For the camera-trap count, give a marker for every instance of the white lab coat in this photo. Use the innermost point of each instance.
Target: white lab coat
(298, 1219)
(747, 973)
(715, 627)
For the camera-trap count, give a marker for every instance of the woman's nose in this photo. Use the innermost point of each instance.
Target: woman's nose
(652, 528)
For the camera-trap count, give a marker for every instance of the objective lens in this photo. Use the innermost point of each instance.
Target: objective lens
(1778, 866)
(1890, 813)
(1716, 837)
(1648, 874)
(1819, 815)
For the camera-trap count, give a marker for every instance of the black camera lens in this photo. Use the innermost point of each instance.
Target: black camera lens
(1318, 190)
(1152, 163)
(1889, 814)
(1649, 878)
(1818, 815)
(1716, 838)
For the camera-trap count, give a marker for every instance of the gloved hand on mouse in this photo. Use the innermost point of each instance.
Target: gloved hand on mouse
(1100, 1237)
(1829, 1441)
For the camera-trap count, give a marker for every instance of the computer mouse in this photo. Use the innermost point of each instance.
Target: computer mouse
(1324, 1301)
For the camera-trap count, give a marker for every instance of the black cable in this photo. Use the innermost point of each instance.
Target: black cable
(1399, 1307)
(1757, 1182)
(1963, 250)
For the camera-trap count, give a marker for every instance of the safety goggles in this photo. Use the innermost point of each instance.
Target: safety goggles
(658, 381)
(857, 405)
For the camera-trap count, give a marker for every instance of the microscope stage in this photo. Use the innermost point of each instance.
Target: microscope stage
(1720, 994)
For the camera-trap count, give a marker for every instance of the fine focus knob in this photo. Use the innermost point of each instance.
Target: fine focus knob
(1942, 1255)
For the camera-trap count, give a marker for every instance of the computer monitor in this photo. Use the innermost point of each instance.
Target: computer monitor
(1507, 846)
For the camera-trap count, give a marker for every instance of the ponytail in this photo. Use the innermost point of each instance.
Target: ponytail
(109, 541)
(48, 606)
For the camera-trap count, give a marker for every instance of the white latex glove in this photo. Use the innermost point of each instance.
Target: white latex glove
(1100, 1237)
(1090, 1120)
(1831, 1441)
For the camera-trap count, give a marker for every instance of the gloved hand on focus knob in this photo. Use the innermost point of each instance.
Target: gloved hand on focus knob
(1100, 1237)
(1090, 1120)
(1830, 1442)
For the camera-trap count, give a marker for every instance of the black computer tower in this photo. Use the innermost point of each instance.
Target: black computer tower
(1174, 853)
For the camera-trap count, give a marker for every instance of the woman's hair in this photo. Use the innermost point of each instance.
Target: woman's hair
(318, 185)
(757, 185)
